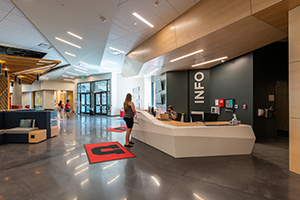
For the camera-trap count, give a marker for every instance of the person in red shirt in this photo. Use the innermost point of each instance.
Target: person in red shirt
(68, 108)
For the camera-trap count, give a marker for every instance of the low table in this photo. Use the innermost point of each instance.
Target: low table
(37, 136)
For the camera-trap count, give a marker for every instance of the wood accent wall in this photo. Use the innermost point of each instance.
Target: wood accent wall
(294, 88)
(4, 92)
(220, 28)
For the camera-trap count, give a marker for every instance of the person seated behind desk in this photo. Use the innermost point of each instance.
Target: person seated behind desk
(171, 112)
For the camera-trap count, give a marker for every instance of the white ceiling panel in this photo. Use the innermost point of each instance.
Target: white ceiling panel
(138, 7)
(164, 10)
(117, 30)
(3, 13)
(4, 5)
(134, 39)
(112, 36)
(126, 20)
(182, 6)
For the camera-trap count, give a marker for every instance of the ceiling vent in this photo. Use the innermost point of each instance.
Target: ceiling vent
(47, 46)
(114, 52)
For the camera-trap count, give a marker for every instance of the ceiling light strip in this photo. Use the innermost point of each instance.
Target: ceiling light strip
(105, 68)
(187, 55)
(80, 68)
(153, 71)
(70, 54)
(69, 43)
(81, 71)
(142, 19)
(71, 73)
(65, 76)
(77, 36)
(203, 63)
(83, 63)
(117, 50)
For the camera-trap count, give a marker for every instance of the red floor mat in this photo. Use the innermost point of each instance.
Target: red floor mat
(107, 151)
(118, 129)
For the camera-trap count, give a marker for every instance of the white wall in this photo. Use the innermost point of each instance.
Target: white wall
(147, 91)
(26, 99)
(48, 99)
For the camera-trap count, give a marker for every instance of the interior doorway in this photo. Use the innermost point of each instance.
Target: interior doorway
(282, 108)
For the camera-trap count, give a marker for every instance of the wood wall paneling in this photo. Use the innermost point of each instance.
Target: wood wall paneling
(277, 15)
(137, 53)
(4, 92)
(258, 5)
(208, 16)
(294, 35)
(234, 40)
(294, 141)
(294, 89)
(161, 43)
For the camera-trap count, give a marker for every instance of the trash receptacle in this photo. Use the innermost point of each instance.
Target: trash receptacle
(122, 113)
(92, 111)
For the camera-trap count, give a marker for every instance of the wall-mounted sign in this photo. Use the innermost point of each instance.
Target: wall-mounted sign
(216, 102)
(199, 89)
(221, 103)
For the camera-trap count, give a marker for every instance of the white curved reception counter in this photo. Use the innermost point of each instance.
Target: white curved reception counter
(180, 139)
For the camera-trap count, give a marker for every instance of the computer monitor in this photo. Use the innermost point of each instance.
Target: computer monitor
(209, 117)
(196, 117)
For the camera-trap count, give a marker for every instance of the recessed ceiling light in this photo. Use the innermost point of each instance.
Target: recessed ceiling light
(103, 19)
(117, 50)
(187, 55)
(142, 19)
(81, 71)
(203, 63)
(83, 63)
(65, 76)
(69, 43)
(135, 23)
(80, 68)
(77, 36)
(71, 73)
(70, 54)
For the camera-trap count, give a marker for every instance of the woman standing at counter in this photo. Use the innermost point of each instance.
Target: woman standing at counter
(130, 111)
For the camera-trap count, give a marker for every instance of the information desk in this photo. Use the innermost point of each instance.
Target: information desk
(180, 139)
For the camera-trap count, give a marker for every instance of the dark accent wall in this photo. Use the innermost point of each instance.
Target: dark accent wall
(270, 65)
(177, 91)
(234, 79)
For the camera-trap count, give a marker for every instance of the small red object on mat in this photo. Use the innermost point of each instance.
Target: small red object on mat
(101, 152)
(118, 129)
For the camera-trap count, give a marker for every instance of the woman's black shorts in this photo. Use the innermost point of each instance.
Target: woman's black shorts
(129, 122)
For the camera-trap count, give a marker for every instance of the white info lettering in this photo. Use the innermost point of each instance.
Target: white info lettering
(199, 90)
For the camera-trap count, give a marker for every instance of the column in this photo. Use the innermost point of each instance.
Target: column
(17, 94)
(294, 88)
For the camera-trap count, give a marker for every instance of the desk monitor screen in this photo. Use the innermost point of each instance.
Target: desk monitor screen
(196, 117)
(209, 117)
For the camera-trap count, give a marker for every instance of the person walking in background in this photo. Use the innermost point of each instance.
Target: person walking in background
(68, 108)
(61, 107)
(130, 111)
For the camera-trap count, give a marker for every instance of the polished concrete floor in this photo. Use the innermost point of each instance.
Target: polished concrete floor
(58, 169)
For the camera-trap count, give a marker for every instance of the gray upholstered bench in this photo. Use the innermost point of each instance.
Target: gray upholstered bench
(18, 135)
(2, 136)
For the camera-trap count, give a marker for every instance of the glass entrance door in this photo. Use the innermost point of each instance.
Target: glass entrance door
(101, 103)
(85, 100)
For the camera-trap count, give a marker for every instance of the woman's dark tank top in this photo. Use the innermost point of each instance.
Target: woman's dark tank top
(129, 113)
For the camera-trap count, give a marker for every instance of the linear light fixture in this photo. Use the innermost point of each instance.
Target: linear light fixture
(105, 68)
(187, 55)
(71, 73)
(112, 62)
(153, 71)
(203, 63)
(117, 50)
(83, 63)
(65, 76)
(80, 68)
(71, 77)
(66, 79)
(69, 43)
(77, 36)
(142, 19)
(45, 61)
(70, 54)
(81, 71)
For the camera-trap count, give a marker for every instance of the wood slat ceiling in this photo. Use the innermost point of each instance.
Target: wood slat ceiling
(26, 68)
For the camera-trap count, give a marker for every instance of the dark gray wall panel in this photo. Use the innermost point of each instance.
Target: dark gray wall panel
(234, 79)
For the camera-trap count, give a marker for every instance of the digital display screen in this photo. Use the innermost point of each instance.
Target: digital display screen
(229, 103)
